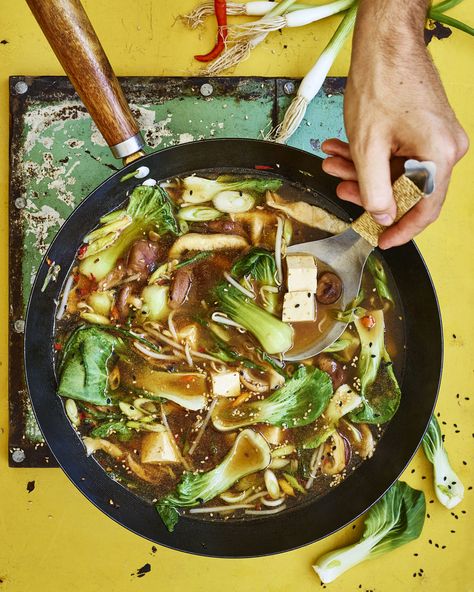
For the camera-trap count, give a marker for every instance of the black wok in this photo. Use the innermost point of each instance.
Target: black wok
(310, 520)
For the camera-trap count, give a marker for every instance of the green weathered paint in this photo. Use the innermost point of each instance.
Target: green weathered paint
(58, 157)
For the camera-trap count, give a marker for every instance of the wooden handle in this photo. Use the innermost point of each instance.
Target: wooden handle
(73, 39)
(406, 194)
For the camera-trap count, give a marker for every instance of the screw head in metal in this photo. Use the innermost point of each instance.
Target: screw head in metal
(206, 89)
(19, 326)
(18, 455)
(20, 203)
(21, 87)
(289, 88)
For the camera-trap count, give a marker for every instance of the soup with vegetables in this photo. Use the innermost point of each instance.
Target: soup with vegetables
(171, 339)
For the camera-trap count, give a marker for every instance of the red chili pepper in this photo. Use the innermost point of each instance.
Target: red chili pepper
(58, 346)
(368, 321)
(263, 167)
(220, 10)
(82, 251)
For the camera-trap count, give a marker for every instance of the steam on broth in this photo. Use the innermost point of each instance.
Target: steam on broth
(171, 337)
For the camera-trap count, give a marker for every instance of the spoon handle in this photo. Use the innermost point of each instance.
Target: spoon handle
(406, 195)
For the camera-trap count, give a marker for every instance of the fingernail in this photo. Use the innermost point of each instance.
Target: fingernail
(383, 219)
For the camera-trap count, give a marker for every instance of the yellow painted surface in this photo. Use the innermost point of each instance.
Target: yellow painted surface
(53, 539)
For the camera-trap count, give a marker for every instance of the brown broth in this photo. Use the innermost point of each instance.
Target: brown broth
(156, 480)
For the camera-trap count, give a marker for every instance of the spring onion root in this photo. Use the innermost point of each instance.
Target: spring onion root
(313, 81)
(236, 52)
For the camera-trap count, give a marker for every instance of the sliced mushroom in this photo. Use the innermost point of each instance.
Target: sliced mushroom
(142, 257)
(222, 226)
(360, 437)
(307, 214)
(329, 288)
(180, 287)
(367, 445)
(334, 455)
(328, 364)
(206, 242)
(256, 222)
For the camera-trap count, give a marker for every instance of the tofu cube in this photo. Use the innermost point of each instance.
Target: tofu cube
(157, 448)
(225, 384)
(302, 273)
(299, 307)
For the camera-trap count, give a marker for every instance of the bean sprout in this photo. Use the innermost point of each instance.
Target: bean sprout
(187, 353)
(266, 512)
(273, 503)
(236, 285)
(148, 352)
(321, 322)
(278, 240)
(218, 509)
(313, 466)
(164, 420)
(220, 318)
(202, 428)
(65, 297)
(171, 326)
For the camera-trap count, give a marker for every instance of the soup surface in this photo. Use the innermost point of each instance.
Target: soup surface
(171, 339)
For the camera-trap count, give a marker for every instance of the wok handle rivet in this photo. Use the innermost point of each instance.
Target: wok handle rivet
(21, 87)
(19, 326)
(20, 203)
(206, 89)
(18, 455)
(289, 88)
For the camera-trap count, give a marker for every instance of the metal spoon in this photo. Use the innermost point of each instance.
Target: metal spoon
(347, 253)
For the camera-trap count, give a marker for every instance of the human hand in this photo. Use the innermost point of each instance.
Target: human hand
(394, 108)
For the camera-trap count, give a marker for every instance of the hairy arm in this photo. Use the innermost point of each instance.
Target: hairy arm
(395, 108)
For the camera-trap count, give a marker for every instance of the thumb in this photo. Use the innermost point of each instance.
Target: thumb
(373, 174)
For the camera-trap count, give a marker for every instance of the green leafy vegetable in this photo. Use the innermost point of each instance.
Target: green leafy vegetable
(250, 453)
(395, 520)
(149, 208)
(199, 257)
(344, 400)
(274, 335)
(297, 403)
(84, 366)
(259, 264)
(353, 311)
(200, 190)
(112, 427)
(380, 278)
(379, 388)
(448, 487)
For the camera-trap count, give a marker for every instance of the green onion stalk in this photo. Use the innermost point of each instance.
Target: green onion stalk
(314, 80)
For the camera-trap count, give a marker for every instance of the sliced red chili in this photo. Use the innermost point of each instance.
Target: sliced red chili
(220, 10)
(82, 251)
(263, 167)
(58, 346)
(368, 321)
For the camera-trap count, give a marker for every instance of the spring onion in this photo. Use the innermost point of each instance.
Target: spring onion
(196, 17)
(298, 18)
(198, 214)
(313, 81)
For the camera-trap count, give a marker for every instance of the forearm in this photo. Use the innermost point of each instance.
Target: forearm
(389, 29)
